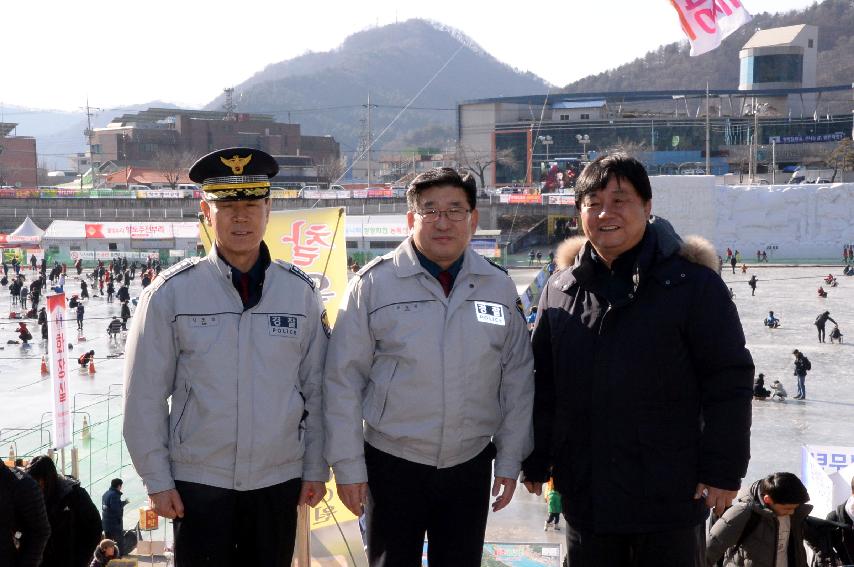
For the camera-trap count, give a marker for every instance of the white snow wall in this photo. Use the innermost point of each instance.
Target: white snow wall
(790, 222)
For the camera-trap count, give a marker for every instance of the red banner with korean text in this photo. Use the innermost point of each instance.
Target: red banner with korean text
(56, 342)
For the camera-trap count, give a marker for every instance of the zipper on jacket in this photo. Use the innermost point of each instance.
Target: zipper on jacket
(189, 389)
(602, 322)
(301, 425)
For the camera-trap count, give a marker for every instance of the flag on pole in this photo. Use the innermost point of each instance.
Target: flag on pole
(708, 22)
(59, 370)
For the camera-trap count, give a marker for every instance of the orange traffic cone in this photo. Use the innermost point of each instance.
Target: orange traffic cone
(92, 366)
(44, 366)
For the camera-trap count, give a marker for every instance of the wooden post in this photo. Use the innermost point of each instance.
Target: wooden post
(302, 550)
(75, 463)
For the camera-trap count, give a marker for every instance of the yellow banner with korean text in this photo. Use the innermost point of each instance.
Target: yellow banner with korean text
(313, 241)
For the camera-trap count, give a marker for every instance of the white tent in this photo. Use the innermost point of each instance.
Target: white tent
(27, 233)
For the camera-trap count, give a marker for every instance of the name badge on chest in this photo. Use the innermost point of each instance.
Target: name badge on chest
(284, 326)
(491, 313)
(204, 320)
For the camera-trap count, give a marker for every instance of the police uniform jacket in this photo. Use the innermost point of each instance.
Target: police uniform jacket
(435, 378)
(641, 397)
(244, 385)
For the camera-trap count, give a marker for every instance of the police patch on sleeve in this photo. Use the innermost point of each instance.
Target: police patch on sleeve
(283, 326)
(324, 322)
(492, 313)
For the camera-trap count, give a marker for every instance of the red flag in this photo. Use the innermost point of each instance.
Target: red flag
(94, 231)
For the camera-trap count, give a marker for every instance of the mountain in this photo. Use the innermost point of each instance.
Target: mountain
(326, 93)
(671, 67)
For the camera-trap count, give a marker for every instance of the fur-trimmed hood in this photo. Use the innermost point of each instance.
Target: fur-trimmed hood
(695, 249)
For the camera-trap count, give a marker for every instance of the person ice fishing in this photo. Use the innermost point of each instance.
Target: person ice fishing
(771, 321)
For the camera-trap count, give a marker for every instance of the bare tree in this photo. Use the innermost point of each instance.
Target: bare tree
(841, 157)
(477, 162)
(172, 163)
(332, 169)
(629, 147)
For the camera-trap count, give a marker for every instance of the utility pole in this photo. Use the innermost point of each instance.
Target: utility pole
(90, 134)
(708, 140)
(370, 139)
(229, 106)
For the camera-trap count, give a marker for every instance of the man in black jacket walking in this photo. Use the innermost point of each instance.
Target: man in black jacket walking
(643, 382)
(112, 511)
(21, 511)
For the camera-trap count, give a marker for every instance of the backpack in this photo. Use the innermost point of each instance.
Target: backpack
(807, 363)
(130, 540)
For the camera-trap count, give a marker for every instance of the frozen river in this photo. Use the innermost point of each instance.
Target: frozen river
(779, 429)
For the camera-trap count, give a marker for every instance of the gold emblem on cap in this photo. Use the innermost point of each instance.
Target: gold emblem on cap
(236, 163)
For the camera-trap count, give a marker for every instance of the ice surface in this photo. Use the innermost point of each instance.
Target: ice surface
(801, 221)
(779, 429)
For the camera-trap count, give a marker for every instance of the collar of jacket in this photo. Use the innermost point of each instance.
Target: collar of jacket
(663, 244)
(223, 267)
(406, 262)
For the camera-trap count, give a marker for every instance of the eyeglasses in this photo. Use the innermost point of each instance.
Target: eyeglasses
(454, 215)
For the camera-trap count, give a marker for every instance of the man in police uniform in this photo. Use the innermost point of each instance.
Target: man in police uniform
(237, 341)
(432, 352)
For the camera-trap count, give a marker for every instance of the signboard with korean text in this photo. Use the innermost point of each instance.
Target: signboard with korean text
(313, 240)
(56, 342)
(826, 471)
(486, 246)
(82, 254)
(501, 554)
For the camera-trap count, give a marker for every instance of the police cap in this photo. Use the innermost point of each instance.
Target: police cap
(235, 174)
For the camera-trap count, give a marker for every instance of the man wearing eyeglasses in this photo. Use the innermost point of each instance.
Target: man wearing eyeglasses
(428, 379)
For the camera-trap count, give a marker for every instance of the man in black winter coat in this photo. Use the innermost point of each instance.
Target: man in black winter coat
(112, 512)
(642, 407)
(74, 520)
(21, 511)
(843, 540)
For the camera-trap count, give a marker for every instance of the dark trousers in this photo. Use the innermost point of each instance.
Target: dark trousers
(408, 500)
(227, 528)
(677, 548)
(554, 518)
(820, 333)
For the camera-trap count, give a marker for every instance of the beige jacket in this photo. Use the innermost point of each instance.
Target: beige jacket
(244, 385)
(435, 379)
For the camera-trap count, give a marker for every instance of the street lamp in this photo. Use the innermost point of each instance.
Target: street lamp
(754, 146)
(583, 140)
(546, 141)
